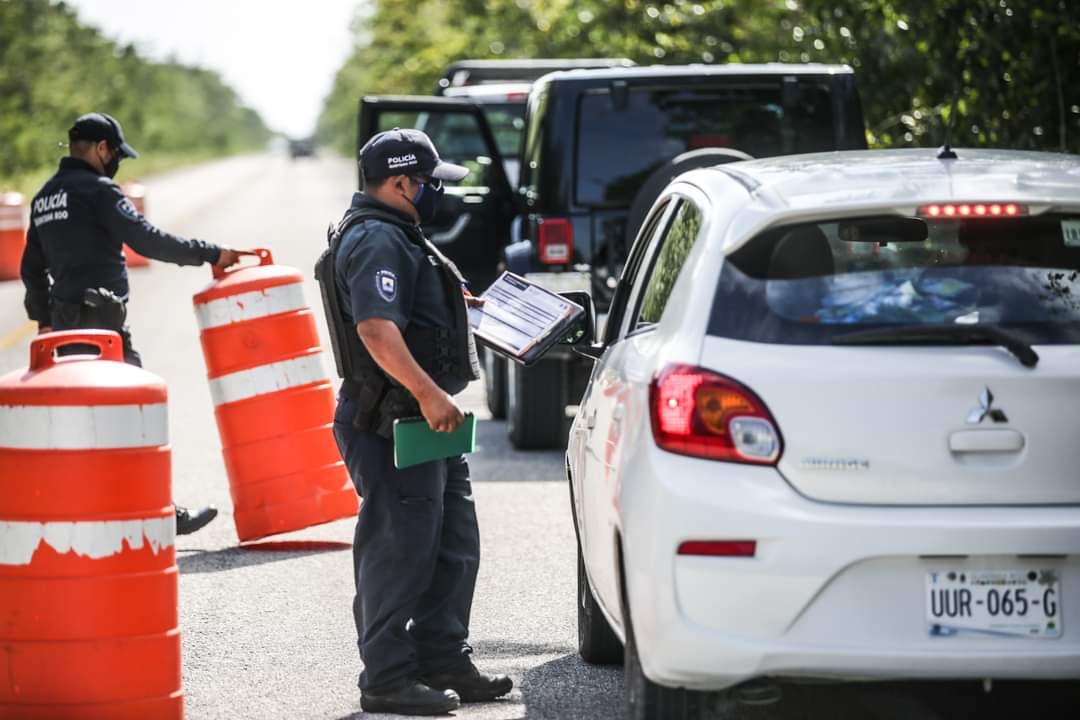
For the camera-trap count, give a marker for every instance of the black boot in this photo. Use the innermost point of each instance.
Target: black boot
(415, 699)
(470, 684)
(188, 522)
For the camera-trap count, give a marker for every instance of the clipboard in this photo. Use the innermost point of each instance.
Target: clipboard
(522, 320)
(416, 443)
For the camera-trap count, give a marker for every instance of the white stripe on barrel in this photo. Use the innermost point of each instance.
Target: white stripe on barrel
(250, 305)
(19, 540)
(83, 427)
(11, 218)
(268, 378)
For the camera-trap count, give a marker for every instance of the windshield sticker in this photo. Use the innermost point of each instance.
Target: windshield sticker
(1070, 230)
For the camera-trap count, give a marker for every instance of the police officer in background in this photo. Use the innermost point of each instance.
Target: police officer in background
(73, 266)
(398, 317)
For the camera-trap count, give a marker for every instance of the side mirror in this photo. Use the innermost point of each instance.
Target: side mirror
(582, 336)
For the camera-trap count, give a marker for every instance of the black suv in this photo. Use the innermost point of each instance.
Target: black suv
(599, 146)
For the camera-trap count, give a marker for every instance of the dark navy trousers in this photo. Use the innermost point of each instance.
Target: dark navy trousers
(415, 556)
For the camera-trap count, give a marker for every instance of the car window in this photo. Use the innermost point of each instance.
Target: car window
(507, 121)
(533, 142)
(808, 283)
(633, 268)
(675, 247)
(458, 138)
(661, 123)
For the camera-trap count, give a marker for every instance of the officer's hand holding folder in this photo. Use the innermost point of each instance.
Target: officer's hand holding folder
(522, 320)
(518, 319)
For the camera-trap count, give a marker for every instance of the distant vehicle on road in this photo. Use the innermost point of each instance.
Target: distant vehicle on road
(301, 147)
(831, 431)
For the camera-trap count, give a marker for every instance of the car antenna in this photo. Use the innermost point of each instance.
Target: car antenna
(946, 152)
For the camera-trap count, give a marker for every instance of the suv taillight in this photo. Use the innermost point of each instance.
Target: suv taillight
(703, 414)
(556, 236)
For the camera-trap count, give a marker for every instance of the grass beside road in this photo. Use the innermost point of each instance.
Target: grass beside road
(145, 166)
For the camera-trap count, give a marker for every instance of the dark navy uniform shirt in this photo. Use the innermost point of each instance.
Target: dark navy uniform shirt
(381, 273)
(79, 223)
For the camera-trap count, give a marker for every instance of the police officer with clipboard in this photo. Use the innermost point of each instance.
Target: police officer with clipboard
(398, 318)
(73, 265)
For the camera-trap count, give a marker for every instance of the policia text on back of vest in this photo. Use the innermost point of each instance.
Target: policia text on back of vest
(448, 355)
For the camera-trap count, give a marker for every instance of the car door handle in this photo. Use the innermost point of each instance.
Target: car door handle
(618, 413)
(454, 232)
(590, 420)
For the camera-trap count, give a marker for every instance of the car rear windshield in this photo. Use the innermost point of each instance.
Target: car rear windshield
(624, 139)
(811, 283)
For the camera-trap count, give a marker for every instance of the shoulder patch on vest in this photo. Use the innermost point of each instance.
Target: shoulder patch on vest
(386, 283)
(127, 210)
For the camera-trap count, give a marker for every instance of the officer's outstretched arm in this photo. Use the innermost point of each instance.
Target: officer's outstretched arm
(124, 221)
(384, 341)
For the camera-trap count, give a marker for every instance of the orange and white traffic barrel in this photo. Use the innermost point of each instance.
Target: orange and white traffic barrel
(273, 399)
(136, 194)
(88, 576)
(12, 234)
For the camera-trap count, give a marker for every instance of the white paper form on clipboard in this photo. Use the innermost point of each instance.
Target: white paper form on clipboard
(522, 319)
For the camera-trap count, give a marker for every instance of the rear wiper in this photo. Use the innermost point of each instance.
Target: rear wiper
(943, 334)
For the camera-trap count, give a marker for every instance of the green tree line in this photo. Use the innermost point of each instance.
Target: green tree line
(1010, 67)
(53, 68)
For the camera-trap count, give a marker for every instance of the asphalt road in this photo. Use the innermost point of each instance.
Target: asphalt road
(270, 634)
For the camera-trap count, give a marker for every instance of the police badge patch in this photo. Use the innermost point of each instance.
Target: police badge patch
(386, 284)
(127, 210)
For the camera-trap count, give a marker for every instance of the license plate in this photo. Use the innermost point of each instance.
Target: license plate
(1022, 601)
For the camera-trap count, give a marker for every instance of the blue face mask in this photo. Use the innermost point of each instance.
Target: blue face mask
(427, 199)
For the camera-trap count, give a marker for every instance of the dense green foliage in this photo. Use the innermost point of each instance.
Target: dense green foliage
(53, 68)
(1014, 65)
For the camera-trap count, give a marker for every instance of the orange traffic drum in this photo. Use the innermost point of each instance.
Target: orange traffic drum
(273, 399)
(136, 195)
(88, 576)
(12, 234)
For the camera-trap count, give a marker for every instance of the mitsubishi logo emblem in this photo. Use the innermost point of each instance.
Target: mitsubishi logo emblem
(986, 409)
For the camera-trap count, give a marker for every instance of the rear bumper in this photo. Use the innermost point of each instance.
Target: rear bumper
(833, 592)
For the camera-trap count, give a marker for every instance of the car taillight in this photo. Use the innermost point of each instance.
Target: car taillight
(701, 413)
(556, 237)
(967, 210)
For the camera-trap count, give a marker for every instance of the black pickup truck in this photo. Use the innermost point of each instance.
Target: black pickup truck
(598, 147)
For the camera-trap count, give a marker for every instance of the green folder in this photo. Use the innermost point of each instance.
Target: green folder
(415, 442)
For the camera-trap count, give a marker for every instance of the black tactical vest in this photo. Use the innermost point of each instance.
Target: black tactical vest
(448, 355)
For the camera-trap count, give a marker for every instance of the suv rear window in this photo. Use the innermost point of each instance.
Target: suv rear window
(808, 284)
(620, 144)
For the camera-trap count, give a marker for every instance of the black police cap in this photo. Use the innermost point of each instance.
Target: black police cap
(406, 152)
(99, 126)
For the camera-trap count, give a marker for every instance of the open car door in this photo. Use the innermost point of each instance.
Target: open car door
(473, 222)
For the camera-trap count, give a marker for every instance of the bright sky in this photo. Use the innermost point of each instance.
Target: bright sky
(280, 57)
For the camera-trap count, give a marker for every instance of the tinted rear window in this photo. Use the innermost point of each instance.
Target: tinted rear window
(618, 147)
(806, 284)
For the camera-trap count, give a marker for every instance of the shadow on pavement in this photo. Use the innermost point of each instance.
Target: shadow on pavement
(207, 561)
(496, 459)
(568, 688)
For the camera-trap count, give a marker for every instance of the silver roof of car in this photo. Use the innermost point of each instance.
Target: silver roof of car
(907, 177)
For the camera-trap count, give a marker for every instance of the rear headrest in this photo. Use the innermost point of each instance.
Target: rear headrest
(802, 253)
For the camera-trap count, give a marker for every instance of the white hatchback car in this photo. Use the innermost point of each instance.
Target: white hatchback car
(833, 428)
